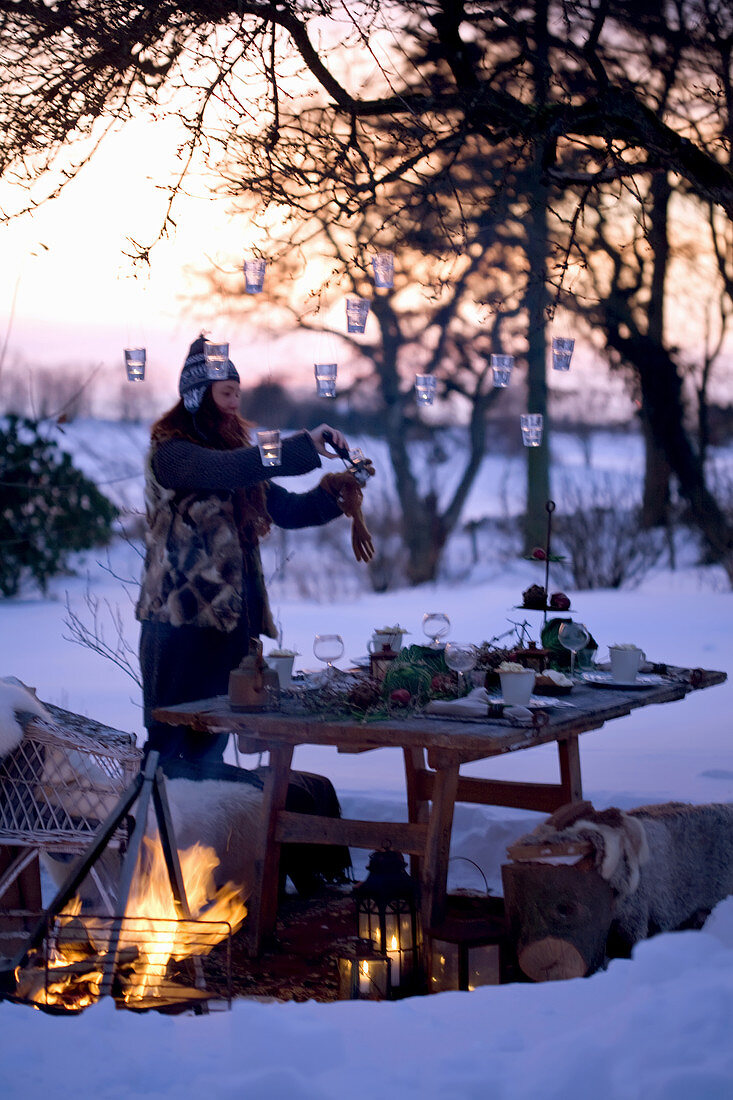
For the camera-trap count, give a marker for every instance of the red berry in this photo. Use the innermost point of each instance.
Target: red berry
(538, 554)
(400, 697)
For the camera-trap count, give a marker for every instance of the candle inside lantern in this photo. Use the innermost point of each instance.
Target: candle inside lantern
(325, 379)
(268, 441)
(254, 275)
(217, 360)
(364, 976)
(383, 265)
(562, 352)
(135, 364)
(531, 425)
(501, 366)
(393, 954)
(425, 387)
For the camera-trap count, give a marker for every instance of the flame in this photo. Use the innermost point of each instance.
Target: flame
(152, 897)
(154, 930)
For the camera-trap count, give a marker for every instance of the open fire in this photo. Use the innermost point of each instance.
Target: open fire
(169, 914)
(78, 951)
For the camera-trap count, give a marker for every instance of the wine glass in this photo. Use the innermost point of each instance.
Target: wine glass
(460, 657)
(435, 625)
(328, 648)
(573, 636)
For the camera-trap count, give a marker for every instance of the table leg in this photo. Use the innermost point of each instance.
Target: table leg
(570, 781)
(434, 879)
(418, 806)
(262, 904)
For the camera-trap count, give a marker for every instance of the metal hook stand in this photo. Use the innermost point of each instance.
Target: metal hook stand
(549, 508)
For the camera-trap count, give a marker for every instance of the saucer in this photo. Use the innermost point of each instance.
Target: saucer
(604, 680)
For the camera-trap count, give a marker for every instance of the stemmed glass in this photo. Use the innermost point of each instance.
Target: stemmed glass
(435, 625)
(328, 648)
(460, 657)
(573, 636)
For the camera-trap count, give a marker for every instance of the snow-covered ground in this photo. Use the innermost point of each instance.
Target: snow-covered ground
(657, 1026)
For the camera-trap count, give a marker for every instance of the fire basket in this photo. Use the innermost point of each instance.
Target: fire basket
(71, 959)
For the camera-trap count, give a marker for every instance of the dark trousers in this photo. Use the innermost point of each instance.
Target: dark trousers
(181, 664)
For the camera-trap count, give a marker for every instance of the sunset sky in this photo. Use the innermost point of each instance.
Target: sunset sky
(80, 300)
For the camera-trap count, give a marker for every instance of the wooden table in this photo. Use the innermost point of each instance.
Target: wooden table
(433, 787)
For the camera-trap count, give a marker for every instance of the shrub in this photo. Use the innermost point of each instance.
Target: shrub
(600, 529)
(48, 508)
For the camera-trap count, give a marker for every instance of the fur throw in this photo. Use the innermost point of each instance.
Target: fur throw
(16, 701)
(668, 865)
(219, 815)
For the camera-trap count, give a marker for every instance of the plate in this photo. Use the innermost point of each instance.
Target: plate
(603, 680)
(535, 701)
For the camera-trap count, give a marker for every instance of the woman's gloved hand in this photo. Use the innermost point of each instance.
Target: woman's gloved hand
(324, 435)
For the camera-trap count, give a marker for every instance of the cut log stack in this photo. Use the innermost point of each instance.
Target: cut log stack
(558, 910)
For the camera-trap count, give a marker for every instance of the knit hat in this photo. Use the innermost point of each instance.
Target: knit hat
(195, 376)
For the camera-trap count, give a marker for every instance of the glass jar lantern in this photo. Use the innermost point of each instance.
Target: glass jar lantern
(364, 973)
(463, 961)
(387, 914)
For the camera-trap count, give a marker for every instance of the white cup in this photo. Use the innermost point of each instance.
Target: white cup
(283, 667)
(381, 638)
(516, 687)
(625, 661)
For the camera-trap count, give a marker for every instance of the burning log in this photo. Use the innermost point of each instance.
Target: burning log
(70, 981)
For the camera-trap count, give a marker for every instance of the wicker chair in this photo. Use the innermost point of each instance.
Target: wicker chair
(56, 787)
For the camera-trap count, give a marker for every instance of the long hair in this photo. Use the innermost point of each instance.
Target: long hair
(209, 427)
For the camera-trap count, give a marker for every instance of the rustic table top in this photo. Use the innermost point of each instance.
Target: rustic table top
(465, 738)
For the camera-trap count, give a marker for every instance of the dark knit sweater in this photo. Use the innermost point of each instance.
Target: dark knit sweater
(197, 571)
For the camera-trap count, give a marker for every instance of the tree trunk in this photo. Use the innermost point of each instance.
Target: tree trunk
(662, 397)
(657, 471)
(537, 301)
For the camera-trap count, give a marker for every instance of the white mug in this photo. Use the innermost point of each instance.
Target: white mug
(381, 638)
(625, 661)
(516, 687)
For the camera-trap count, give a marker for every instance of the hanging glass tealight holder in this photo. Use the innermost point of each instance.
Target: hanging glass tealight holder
(383, 266)
(425, 387)
(502, 366)
(217, 360)
(325, 379)
(357, 311)
(135, 364)
(254, 275)
(562, 352)
(531, 425)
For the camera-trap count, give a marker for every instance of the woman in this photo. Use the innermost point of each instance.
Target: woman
(208, 503)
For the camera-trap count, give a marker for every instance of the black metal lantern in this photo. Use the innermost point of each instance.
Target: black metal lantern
(387, 914)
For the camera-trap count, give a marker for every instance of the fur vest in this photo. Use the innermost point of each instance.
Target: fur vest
(196, 572)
